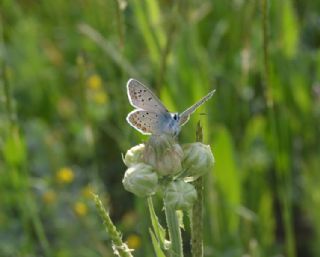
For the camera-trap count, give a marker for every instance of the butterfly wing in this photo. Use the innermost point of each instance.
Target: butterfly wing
(142, 97)
(184, 116)
(146, 122)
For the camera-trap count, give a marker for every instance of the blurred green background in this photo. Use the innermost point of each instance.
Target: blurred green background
(64, 66)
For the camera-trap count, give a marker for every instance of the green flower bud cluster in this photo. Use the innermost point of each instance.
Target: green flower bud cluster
(163, 159)
(180, 195)
(134, 155)
(140, 179)
(198, 160)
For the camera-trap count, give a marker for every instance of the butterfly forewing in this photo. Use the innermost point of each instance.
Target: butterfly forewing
(183, 119)
(184, 116)
(147, 122)
(142, 98)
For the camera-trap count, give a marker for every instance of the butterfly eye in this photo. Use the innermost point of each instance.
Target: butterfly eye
(175, 117)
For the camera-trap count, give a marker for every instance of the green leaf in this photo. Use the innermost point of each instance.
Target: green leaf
(160, 232)
(290, 29)
(180, 218)
(14, 149)
(156, 245)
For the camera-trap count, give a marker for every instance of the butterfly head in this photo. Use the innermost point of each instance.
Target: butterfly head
(174, 125)
(175, 116)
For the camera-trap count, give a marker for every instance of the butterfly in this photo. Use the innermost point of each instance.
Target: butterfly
(151, 116)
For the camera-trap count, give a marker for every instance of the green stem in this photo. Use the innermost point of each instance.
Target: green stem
(7, 94)
(196, 219)
(6, 84)
(120, 23)
(120, 248)
(267, 89)
(38, 226)
(174, 231)
(167, 49)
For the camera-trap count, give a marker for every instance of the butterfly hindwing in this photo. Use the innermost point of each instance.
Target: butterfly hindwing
(146, 122)
(142, 97)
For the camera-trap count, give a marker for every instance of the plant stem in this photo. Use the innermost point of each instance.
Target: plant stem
(267, 89)
(120, 23)
(196, 222)
(7, 94)
(108, 48)
(167, 48)
(174, 231)
(120, 248)
(37, 224)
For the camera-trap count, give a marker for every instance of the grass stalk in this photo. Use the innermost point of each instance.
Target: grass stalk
(7, 94)
(119, 247)
(166, 50)
(267, 89)
(120, 5)
(38, 226)
(196, 219)
(109, 49)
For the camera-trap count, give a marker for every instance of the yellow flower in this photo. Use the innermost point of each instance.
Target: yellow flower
(134, 241)
(80, 209)
(94, 82)
(49, 197)
(100, 97)
(65, 175)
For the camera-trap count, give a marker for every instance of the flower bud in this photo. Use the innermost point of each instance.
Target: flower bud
(141, 180)
(180, 195)
(164, 154)
(134, 155)
(198, 160)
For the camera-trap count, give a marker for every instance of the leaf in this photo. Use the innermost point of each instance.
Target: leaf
(180, 218)
(156, 246)
(290, 29)
(159, 231)
(14, 149)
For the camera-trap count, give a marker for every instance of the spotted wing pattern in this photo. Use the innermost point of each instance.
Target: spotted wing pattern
(146, 122)
(184, 116)
(142, 97)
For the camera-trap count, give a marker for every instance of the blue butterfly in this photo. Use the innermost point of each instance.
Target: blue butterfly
(151, 116)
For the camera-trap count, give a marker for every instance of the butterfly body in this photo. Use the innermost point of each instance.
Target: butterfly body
(171, 126)
(151, 116)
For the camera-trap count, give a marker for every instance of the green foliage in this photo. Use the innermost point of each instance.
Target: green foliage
(64, 66)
